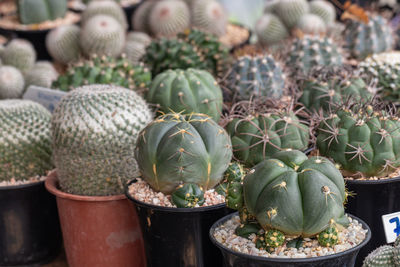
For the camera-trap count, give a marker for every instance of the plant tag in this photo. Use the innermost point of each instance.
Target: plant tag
(391, 224)
(45, 96)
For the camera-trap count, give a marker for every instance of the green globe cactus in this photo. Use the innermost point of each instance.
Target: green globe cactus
(380, 257)
(12, 82)
(290, 11)
(188, 195)
(19, 53)
(140, 17)
(25, 140)
(63, 43)
(94, 132)
(37, 11)
(234, 174)
(274, 238)
(42, 74)
(270, 30)
(186, 91)
(311, 24)
(109, 8)
(176, 149)
(209, 16)
(328, 237)
(325, 10)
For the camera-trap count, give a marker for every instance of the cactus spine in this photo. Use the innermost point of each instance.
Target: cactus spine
(20, 54)
(290, 11)
(63, 43)
(270, 30)
(42, 74)
(209, 16)
(12, 82)
(109, 8)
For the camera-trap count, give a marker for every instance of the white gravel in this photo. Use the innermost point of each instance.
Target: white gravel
(28, 181)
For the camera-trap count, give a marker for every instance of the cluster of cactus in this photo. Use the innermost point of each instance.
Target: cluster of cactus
(135, 46)
(388, 256)
(188, 195)
(364, 39)
(362, 139)
(104, 70)
(25, 140)
(94, 130)
(282, 17)
(37, 11)
(169, 17)
(176, 149)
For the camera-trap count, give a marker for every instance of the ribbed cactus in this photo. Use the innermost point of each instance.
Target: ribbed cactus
(325, 10)
(176, 149)
(140, 21)
(186, 91)
(361, 139)
(274, 238)
(20, 54)
(254, 76)
(364, 39)
(234, 174)
(102, 35)
(42, 74)
(270, 30)
(94, 132)
(109, 8)
(135, 46)
(290, 11)
(62, 43)
(311, 24)
(105, 70)
(210, 16)
(270, 6)
(25, 140)
(138, 37)
(12, 82)
(380, 257)
(328, 237)
(188, 196)
(37, 11)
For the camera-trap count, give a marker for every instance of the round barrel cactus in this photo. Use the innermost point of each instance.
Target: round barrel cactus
(380, 257)
(210, 16)
(138, 37)
(94, 129)
(186, 91)
(109, 8)
(188, 196)
(12, 82)
(295, 194)
(176, 149)
(311, 24)
(19, 53)
(25, 140)
(42, 74)
(325, 10)
(140, 17)
(270, 30)
(62, 43)
(37, 11)
(361, 139)
(290, 11)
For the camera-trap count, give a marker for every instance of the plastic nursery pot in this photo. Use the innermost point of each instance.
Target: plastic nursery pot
(101, 231)
(372, 200)
(29, 227)
(178, 237)
(236, 259)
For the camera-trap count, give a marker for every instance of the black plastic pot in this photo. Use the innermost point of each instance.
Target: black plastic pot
(29, 226)
(178, 237)
(237, 259)
(372, 200)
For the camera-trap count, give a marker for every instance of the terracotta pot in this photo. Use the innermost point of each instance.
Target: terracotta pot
(101, 231)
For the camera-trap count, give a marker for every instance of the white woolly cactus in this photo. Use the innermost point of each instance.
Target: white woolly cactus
(20, 54)
(139, 37)
(62, 43)
(94, 135)
(311, 24)
(11, 82)
(25, 141)
(109, 8)
(290, 11)
(270, 30)
(135, 46)
(42, 74)
(209, 16)
(140, 21)
(324, 10)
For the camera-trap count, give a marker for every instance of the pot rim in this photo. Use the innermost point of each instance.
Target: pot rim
(286, 260)
(21, 186)
(168, 209)
(373, 182)
(51, 184)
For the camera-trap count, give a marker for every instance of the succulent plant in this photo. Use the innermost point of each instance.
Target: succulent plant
(254, 76)
(245, 230)
(102, 35)
(20, 54)
(270, 6)
(138, 37)
(323, 9)
(109, 8)
(380, 257)
(234, 174)
(62, 43)
(188, 195)
(105, 70)
(135, 46)
(176, 149)
(94, 132)
(37, 11)
(328, 237)
(25, 140)
(364, 39)
(270, 30)
(12, 82)
(140, 17)
(210, 16)
(290, 11)
(362, 139)
(42, 74)
(274, 238)
(311, 24)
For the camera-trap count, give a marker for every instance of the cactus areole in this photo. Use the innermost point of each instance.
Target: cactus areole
(176, 149)
(294, 194)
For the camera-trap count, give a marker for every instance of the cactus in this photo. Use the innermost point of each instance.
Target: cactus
(138, 37)
(140, 20)
(290, 11)
(245, 230)
(324, 10)
(209, 16)
(134, 52)
(234, 174)
(20, 54)
(396, 251)
(328, 237)
(109, 8)
(274, 238)
(270, 6)
(25, 140)
(104, 70)
(313, 51)
(362, 139)
(176, 149)
(94, 131)
(102, 35)
(311, 24)
(42, 74)
(63, 43)
(186, 91)
(169, 17)
(317, 194)
(364, 39)
(37, 11)
(270, 30)
(12, 82)
(188, 196)
(254, 76)
(380, 257)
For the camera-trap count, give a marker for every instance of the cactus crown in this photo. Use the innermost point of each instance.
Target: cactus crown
(37, 11)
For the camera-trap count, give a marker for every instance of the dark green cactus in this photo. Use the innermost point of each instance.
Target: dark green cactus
(234, 174)
(176, 149)
(328, 237)
(37, 11)
(234, 196)
(274, 238)
(188, 196)
(245, 230)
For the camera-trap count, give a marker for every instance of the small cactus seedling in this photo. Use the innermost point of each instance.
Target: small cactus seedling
(12, 82)
(63, 43)
(109, 8)
(37, 11)
(209, 16)
(19, 53)
(328, 237)
(274, 238)
(188, 195)
(234, 174)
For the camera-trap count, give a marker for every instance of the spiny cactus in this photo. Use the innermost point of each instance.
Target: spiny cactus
(188, 196)
(140, 20)
(380, 257)
(328, 237)
(186, 91)
(364, 39)
(102, 35)
(176, 149)
(20, 54)
(12, 82)
(311, 24)
(290, 11)
(138, 37)
(362, 139)
(63, 43)
(94, 132)
(37, 11)
(270, 30)
(42, 74)
(209, 16)
(274, 238)
(109, 8)
(270, 6)
(25, 140)
(324, 10)
(134, 51)
(105, 70)
(234, 174)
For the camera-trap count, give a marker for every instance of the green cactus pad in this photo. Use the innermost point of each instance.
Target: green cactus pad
(12, 82)
(19, 53)
(274, 238)
(37, 11)
(328, 237)
(188, 196)
(210, 16)
(109, 8)
(380, 257)
(270, 30)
